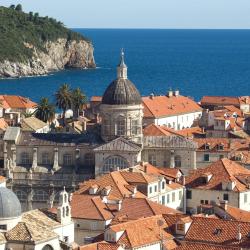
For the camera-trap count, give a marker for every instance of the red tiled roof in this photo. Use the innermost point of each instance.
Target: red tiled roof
(220, 100)
(162, 106)
(135, 208)
(162, 171)
(117, 182)
(96, 99)
(213, 143)
(200, 246)
(3, 124)
(100, 246)
(156, 130)
(190, 132)
(217, 231)
(142, 231)
(17, 102)
(237, 213)
(223, 170)
(89, 207)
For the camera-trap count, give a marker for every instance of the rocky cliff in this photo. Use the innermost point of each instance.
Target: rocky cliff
(57, 55)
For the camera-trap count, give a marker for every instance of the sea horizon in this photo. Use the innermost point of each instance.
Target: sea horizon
(196, 61)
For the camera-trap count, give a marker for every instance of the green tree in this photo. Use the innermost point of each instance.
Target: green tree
(27, 114)
(30, 15)
(45, 111)
(78, 100)
(64, 99)
(36, 17)
(19, 8)
(12, 6)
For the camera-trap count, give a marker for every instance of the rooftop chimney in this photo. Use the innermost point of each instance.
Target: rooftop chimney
(177, 93)
(170, 93)
(223, 205)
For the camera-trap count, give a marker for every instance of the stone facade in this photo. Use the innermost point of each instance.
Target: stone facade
(39, 165)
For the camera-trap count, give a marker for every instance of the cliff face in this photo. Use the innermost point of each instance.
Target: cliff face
(56, 56)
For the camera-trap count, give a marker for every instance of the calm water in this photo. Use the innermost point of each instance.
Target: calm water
(198, 62)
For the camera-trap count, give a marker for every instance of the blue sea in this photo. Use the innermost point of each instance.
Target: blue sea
(197, 62)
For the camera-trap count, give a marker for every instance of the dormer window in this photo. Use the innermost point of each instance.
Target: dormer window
(221, 146)
(238, 157)
(207, 146)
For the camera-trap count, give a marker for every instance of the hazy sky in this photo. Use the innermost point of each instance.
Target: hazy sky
(143, 13)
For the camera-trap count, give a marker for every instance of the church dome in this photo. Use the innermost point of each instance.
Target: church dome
(10, 206)
(121, 92)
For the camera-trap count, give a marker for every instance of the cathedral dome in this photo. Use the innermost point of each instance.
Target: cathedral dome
(121, 92)
(10, 206)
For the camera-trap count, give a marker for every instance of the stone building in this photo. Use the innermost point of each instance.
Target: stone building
(38, 165)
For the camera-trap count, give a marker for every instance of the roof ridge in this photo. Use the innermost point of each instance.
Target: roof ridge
(149, 204)
(98, 210)
(111, 174)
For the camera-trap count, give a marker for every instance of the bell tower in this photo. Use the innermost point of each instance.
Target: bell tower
(122, 67)
(64, 209)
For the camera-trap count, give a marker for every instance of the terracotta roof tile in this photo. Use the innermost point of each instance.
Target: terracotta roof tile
(18, 102)
(156, 130)
(89, 207)
(200, 246)
(220, 100)
(217, 231)
(191, 132)
(223, 170)
(238, 214)
(142, 231)
(100, 246)
(135, 208)
(3, 124)
(213, 143)
(115, 180)
(161, 106)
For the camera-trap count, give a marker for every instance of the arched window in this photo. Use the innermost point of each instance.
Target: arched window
(47, 247)
(120, 126)
(40, 195)
(63, 211)
(177, 161)
(65, 198)
(114, 162)
(67, 160)
(89, 159)
(45, 158)
(25, 158)
(21, 195)
(67, 211)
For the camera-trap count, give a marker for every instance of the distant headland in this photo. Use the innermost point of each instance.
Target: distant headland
(33, 45)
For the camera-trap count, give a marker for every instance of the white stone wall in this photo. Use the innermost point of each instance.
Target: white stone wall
(9, 222)
(213, 157)
(88, 228)
(177, 121)
(235, 199)
(66, 231)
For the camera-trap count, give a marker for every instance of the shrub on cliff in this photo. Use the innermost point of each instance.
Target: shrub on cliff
(19, 30)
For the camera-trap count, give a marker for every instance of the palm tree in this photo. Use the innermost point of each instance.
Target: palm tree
(78, 99)
(64, 99)
(45, 111)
